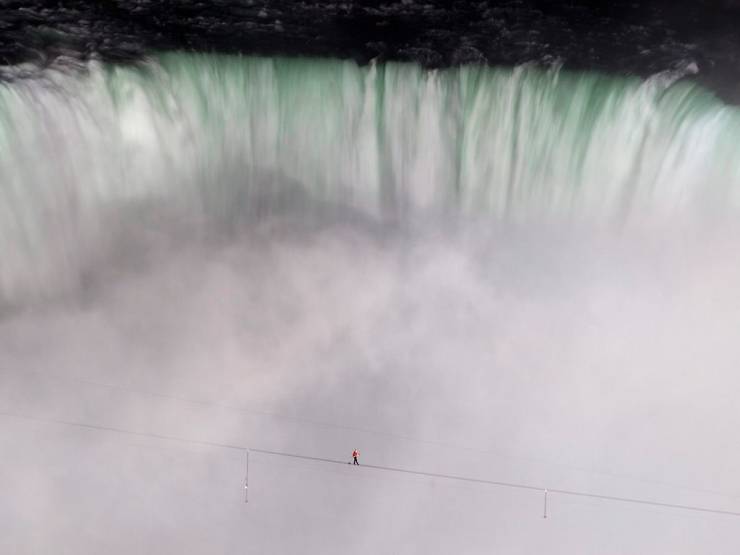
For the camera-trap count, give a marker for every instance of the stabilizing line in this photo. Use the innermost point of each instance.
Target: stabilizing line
(455, 477)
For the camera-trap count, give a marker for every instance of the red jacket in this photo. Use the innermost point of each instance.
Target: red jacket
(355, 453)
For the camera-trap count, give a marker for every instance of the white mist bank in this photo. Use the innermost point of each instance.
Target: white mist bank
(602, 363)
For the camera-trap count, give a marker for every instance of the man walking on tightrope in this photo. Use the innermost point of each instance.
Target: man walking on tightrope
(355, 455)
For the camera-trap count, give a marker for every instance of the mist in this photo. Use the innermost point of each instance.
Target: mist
(562, 350)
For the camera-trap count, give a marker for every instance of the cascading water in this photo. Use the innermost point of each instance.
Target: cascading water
(214, 136)
(517, 275)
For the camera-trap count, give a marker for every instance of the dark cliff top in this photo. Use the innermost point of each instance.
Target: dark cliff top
(626, 37)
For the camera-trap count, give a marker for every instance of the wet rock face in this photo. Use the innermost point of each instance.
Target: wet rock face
(625, 36)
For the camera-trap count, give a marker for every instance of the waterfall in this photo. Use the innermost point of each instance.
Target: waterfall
(222, 138)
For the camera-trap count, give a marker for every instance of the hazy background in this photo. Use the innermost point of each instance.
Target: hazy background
(603, 363)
